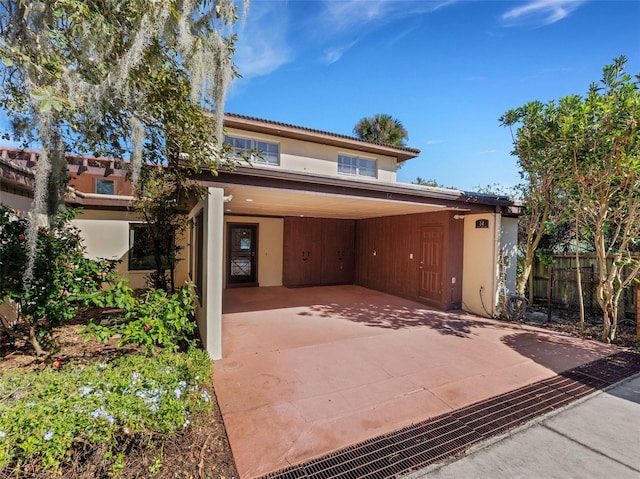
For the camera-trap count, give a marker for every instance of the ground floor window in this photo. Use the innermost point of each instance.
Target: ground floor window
(141, 250)
(196, 260)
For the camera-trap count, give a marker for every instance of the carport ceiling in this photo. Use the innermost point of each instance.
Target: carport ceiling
(262, 201)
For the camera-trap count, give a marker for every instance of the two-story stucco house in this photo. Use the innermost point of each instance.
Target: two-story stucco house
(315, 208)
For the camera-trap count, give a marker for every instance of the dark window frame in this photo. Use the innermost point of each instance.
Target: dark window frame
(141, 256)
(196, 260)
(104, 181)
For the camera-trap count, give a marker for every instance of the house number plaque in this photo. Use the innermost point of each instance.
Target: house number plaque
(482, 223)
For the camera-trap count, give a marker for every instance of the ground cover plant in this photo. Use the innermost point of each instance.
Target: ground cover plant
(97, 380)
(48, 417)
(130, 414)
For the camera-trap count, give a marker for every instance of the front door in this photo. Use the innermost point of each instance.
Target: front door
(242, 247)
(431, 248)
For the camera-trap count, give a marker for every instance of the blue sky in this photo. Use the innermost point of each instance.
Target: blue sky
(447, 69)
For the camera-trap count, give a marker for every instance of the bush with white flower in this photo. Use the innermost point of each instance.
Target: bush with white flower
(46, 416)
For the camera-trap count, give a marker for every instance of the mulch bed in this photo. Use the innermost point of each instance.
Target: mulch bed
(567, 322)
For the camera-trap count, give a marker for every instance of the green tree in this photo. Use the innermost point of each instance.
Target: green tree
(604, 137)
(63, 278)
(581, 159)
(496, 189)
(540, 162)
(79, 75)
(424, 182)
(181, 140)
(381, 128)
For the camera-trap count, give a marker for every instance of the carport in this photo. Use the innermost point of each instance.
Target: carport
(263, 227)
(308, 371)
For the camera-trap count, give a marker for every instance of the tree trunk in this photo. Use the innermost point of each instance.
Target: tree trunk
(610, 324)
(607, 299)
(521, 284)
(33, 340)
(579, 278)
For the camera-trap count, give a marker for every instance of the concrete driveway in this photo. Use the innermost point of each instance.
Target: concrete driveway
(308, 371)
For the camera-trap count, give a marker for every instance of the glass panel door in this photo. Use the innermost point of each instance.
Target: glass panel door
(242, 247)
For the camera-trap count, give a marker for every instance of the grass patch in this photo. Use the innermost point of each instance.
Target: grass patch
(47, 417)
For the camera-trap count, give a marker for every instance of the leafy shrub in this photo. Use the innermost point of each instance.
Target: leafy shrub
(62, 279)
(155, 319)
(46, 416)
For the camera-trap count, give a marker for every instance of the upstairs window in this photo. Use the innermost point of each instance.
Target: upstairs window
(352, 165)
(257, 151)
(105, 187)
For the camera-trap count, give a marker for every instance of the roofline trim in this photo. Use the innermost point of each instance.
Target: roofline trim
(389, 191)
(287, 130)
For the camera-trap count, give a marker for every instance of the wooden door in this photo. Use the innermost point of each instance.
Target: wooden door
(242, 248)
(431, 261)
(302, 252)
(338, 251)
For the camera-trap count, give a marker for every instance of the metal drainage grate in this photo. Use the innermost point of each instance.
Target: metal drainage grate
(451, 434)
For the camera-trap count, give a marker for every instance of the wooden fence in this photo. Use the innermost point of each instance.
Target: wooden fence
(556, 286)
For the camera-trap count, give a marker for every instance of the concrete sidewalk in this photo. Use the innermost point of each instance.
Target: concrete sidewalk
(595, 438)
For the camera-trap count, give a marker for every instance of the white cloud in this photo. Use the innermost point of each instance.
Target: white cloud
(434, 142)
(345, 15)
(332, 55)
(339, 22)
(541, 12)
(487, 152)
(262, 45)
(272, 37)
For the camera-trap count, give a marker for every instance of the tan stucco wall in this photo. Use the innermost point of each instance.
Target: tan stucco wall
(21, 203)
(479, 265)
(270, 242)
(106, 235)
(296, 155)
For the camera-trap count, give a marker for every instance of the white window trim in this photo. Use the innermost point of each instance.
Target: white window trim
(359, 157)
(254, 141)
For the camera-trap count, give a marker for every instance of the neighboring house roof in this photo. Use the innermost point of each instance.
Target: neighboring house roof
(15, 178)
(270, 127)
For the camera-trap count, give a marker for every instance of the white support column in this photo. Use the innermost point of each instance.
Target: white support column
(213, 264)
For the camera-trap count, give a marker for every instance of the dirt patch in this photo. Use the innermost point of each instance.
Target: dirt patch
(567, 322)
(200, 451)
